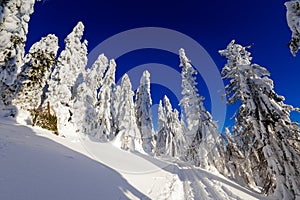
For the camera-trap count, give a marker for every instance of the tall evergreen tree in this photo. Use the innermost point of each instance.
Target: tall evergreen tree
(181, 143)
(143, 103)
(263, 129)
(116, 109)
(190, 98)
(85, 112)
(33, 79)
(128, 136)
(206, 146)
(160, 146)
(66, 77)
(95, 74)
(170, 137)
(14, 18)
(105, 104)
(82, 106)
(236, 162)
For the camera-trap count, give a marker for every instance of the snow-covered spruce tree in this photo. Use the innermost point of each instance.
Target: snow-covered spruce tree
(293, 20)
(143, 103)
(85, 112)
(105, 104)
(206, 146)
(32, 83)
(33, 79)
(180, 138)
(116, 103)
(190, 103)
(263, 129)
(170, 137)
(160, 146)
(191, 100)
(14, 18)
(235, 161)
(94, 75)
(85, 115)
(128, 136)
(65, 78)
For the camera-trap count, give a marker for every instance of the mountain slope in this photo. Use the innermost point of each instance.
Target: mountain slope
(38, 165)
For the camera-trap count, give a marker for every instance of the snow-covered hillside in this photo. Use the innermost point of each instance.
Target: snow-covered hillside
(36, 164)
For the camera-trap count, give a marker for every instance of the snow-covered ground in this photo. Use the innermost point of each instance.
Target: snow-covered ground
(35, 164)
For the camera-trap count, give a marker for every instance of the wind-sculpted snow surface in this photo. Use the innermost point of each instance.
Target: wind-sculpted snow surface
(36, 164)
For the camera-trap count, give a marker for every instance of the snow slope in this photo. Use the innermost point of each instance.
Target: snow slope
(35, 164)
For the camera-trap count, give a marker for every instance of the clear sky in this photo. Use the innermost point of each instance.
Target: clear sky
(213, 24)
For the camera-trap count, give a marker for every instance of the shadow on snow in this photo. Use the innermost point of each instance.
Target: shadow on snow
(34, 167)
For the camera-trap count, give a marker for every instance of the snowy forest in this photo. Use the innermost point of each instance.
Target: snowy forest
(57, 92)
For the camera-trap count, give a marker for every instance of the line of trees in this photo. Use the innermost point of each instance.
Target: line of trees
(262, 151)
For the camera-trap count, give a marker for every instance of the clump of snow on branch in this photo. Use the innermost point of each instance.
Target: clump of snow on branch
(293, 20)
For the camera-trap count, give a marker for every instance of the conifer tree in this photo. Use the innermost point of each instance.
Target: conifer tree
(191, 100)
(116, 109)
(170, 137)
(95, 74)
(82, 105)
(160, 146)
(181, 143)
(206, 146)
(33, 79)
(236, 162)
(65, 78)
(85, 112)
(143, 103)
(128, 135)
(263, 129)
(105, 104)
(14, 18)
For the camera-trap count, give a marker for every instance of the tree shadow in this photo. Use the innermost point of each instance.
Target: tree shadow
(35, 167)
(187, 172)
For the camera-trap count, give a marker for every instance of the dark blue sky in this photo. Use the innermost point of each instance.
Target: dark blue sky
(213, 24)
